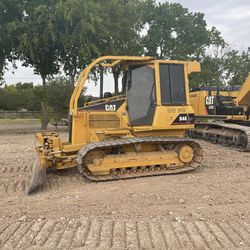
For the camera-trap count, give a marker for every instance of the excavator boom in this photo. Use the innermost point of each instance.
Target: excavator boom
(243, 98)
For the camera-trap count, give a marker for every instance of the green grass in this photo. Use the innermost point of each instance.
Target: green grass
(21, 121)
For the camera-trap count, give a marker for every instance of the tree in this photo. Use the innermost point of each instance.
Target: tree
(175, 33)
(19, 96)
(237, 66)
(38, 45)
(212, 67)
(10, 18)
(78, 28)
(211, 73)
(124, 23)
(59, 93)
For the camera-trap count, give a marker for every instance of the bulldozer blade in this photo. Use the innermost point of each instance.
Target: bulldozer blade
(38, 178)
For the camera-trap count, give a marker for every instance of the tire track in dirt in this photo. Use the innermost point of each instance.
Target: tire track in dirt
(131, 234)
(54, 182)
(14, 170)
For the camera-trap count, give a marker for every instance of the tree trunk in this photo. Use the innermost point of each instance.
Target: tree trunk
(116, 77)
(101, 82)
(71, 79)
(45, 117)
(124, 82)
(44, 105)
(116, 85)
(2, 63)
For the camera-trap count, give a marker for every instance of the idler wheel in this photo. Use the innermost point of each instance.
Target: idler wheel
(185, 153)
(242, 140)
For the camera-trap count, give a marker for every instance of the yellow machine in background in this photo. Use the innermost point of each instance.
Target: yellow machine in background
(139, 133)
(229, 110)
(204, 103)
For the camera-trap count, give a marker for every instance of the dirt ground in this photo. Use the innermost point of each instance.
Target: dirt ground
(205, 209)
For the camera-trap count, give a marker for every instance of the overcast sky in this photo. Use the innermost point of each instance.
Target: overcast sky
(230, 17)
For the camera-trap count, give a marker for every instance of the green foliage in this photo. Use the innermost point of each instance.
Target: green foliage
(41, 94)
(212, 67)
(78, 28)
(175, 33)
(10, 17)
(27, 96)
(223, 66)
(210, 75)
(237, 66)
(123, 23)
(59, 93)
(19, 96)
(37, 42)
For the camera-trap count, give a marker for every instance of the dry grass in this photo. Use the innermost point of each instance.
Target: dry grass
(21, 121)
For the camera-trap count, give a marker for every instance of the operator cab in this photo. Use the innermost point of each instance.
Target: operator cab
(138, 87)
(141, 90)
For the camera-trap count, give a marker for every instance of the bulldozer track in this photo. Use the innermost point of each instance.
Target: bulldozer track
(220, 138)
(139, 171)
(86, 233)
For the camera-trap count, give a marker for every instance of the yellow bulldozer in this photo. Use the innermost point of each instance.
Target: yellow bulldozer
(138, 133)
(222, 114)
